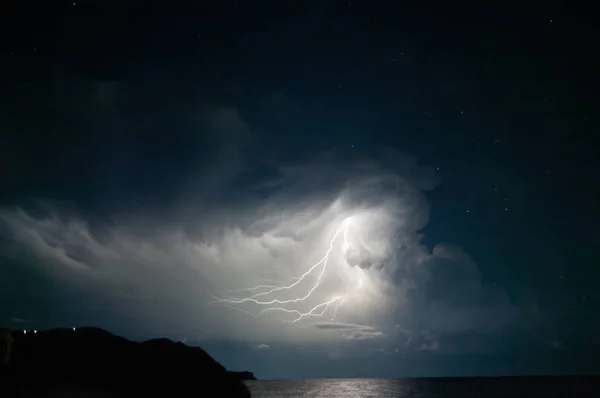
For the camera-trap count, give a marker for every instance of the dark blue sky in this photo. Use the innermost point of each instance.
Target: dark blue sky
(128, 128)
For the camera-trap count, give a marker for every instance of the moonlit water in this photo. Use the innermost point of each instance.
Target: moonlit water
(539, 387)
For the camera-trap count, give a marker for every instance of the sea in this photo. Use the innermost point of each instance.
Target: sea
(498, 387)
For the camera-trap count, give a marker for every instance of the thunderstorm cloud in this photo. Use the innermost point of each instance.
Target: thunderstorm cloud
(233, 230)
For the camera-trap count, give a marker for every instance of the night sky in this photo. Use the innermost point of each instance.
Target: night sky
(154, 158)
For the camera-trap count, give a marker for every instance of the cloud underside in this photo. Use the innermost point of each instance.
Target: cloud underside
(351, 331)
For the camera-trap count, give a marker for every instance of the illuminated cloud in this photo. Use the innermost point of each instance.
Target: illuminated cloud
(360, 207)
(264, 277)
(322, 249)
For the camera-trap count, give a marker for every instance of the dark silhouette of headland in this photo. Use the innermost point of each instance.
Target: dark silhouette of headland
(94, 362)
(245, 375)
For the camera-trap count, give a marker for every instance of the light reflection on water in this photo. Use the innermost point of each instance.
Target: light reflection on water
(349, 388)
(539, 387)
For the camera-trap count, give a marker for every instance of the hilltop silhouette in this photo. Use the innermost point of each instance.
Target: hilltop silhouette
(245, 375)
(95, 360)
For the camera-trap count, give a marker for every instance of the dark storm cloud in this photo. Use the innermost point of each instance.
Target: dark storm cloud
(453, 310)
(21, 320)
(192, 206)
(115, 145)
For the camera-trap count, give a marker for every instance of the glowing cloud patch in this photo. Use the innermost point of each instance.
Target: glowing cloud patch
(346, 252)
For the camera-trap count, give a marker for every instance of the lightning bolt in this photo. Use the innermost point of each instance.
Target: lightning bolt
(279, 305)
